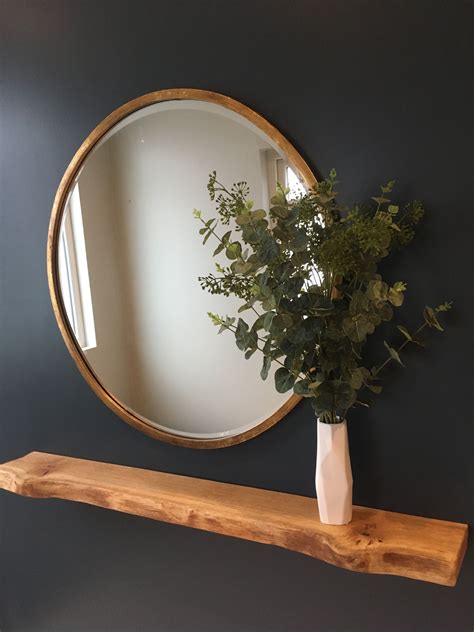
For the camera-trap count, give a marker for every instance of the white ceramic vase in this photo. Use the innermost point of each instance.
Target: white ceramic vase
(333, 474)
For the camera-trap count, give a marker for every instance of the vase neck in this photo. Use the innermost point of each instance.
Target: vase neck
(338, 420)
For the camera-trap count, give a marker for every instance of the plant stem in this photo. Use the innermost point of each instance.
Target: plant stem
(402, 346)
(234, 196)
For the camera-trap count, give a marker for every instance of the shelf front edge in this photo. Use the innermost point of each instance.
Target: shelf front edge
(376, 541)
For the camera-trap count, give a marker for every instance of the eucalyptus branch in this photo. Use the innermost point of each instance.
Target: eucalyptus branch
(291, 251)
(233, 329)
(211, 229)
(398, 349)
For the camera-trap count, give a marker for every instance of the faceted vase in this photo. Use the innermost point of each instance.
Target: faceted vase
(333, 474)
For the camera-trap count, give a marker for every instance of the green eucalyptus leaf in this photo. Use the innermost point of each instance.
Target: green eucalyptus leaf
(219, 249)
(281, 233)
(292, 217)
(258, 324)
(268, 249)
(246, 306)
(269, 303)
(312, 326)
(286, 346)
(357, 327)
(279, 198)
(233, 250)
(297, 335)
(242, 334)
(258, 214)
(299, 242)
(357, 379)
(278, 324)
(215, 318)
(395, 297)
(333, 396)
(243, 218)
(393, 353)
(302, 388)
(324, 198)
(226, 324)
(284, 380)
(374, 317)
(241, 267)
(400, 286)
(268, 319)
(249, 353)
(294, 362)
(385, 311)
(388, 187)
(444, 307)
(405, 332)
(359, 302)
(377, 290)
(317, 380)
(375, 388)
(431, 320)
(252, 234)
(252, 339)
(282, 212)
(309, 359)
(267, 362)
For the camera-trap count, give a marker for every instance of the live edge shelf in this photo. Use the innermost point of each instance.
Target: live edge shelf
(374, 542)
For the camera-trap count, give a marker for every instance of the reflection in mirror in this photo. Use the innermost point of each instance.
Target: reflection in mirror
(128, 262)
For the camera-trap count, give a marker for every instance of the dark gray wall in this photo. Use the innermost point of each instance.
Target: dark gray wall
(378, 90)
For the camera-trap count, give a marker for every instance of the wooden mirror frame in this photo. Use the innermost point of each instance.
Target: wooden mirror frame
(176, 94)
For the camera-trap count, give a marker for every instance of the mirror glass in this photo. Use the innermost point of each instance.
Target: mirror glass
(129, 257)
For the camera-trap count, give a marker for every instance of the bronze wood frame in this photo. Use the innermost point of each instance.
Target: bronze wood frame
(87, 146)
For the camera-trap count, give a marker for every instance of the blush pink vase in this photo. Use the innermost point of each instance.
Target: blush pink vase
(333, 474)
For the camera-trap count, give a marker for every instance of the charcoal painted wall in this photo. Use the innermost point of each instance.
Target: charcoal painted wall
(378, 90)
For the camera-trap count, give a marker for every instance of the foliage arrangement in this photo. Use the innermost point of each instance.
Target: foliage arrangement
(307, 273)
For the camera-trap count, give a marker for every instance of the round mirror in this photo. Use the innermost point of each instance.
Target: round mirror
(124, 257)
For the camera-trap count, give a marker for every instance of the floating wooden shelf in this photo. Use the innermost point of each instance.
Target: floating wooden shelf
(374, 542)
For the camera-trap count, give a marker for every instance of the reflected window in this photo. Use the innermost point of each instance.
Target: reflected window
(74, 275)
(293, 183)
(279, 172)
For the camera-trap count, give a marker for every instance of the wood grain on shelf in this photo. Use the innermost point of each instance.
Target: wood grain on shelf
(375, 541)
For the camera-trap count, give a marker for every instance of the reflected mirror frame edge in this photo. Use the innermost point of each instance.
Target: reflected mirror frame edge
(174, 94)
